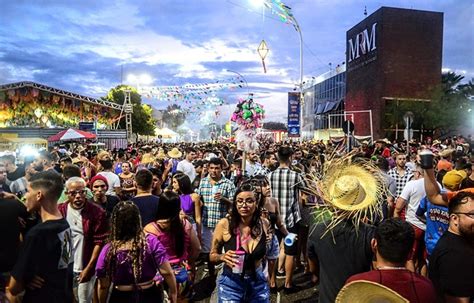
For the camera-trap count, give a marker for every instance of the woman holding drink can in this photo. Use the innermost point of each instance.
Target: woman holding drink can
(242, 234)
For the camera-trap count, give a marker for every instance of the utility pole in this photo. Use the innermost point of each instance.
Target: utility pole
(128, 109)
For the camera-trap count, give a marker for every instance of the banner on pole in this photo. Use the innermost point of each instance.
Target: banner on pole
(294, 109)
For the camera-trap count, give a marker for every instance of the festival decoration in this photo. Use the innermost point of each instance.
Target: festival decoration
(263, 52)
(248, 116)
(27, 107)
(282, 10)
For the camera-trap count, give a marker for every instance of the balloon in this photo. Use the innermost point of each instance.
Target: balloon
(247, 114)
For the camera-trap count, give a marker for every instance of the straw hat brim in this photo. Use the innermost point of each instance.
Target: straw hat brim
(175, 154)
(366, 180)
(368, 292)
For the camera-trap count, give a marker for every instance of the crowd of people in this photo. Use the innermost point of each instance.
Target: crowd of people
(131, 225)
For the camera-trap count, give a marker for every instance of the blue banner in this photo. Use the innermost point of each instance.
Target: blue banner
(294, 109)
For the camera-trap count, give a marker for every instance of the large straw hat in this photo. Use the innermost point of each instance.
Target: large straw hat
(147, 158)
(351, 189)
(175, 153)
(368, 292)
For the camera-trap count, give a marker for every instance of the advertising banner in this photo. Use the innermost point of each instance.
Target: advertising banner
(294, 109)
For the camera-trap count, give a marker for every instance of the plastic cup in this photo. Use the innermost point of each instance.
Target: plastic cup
(290, 239)
(426, 159)
(239, 267)
(215, 190)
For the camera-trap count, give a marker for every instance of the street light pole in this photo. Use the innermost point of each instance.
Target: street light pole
(298, 29)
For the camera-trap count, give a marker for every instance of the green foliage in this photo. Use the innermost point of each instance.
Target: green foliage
(446, 112)
(174, 116)
(142, 120)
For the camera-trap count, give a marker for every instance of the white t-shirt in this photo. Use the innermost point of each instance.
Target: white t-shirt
(74, 219)
(112, 181)
(188, 168)
(412, 193)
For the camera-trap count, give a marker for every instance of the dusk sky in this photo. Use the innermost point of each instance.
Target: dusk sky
(80, 46)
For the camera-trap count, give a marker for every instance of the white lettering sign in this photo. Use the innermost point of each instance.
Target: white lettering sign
(363, 44)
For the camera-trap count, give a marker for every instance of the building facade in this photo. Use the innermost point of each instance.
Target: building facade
(324, 101)
(393, 55)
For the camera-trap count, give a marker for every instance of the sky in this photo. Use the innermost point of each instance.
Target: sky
(90, 46)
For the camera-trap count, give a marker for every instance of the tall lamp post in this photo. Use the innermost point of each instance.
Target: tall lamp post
(284, 11)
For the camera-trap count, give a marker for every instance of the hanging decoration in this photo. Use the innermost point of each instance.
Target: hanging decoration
(248, 116)
(282, 10)
(30, 107)
(188, 93)
(263, 52)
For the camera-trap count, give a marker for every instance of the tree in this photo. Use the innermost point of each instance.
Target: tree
(142, 120)
(443, 114)
(274, 126)
(174, 116)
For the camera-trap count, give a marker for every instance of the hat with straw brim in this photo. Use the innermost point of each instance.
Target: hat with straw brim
(351, 189)
(175, 153)
(368, 292)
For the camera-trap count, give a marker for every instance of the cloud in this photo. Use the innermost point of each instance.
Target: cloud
(82, 46)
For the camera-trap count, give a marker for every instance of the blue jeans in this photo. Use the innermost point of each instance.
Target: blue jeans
(233, 288)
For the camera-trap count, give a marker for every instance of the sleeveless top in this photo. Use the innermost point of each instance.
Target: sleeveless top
(168, 241)
(187, 205)
(257, 254)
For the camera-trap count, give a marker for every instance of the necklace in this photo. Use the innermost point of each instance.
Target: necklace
(391, 267)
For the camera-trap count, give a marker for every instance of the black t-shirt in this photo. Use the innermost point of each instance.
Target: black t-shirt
(452, 266)
(148, 206)
(47, 253)
(109, 205)
(341, 254)
(10, 212)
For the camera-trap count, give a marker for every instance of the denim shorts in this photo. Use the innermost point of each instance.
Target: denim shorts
(235, 288)
(273, 249)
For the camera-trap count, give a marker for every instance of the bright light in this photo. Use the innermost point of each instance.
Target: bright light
(132, 78)
(257, 3)
(28, 151)
(145, 79)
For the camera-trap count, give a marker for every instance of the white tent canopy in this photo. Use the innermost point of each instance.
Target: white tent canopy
(166, 133)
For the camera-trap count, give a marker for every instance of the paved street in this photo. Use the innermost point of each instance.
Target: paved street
(205, 287)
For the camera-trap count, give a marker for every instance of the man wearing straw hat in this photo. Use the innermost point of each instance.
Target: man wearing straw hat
(353, 192)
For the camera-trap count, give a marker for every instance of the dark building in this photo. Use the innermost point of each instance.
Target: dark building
(393, 55)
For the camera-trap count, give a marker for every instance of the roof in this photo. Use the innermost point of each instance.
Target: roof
(60, 92)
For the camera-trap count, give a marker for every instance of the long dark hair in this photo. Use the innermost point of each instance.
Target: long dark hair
(235, 219)
(169, 208)
(185, 186)
(125, 226)
(258, 182)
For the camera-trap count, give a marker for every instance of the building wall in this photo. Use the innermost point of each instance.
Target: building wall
(402, 60)
(329, 87)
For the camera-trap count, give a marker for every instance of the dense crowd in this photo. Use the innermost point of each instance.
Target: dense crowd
(131, 225)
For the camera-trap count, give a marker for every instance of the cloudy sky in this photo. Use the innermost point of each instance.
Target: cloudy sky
(82, 46)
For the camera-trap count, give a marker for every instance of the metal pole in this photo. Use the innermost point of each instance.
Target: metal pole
(371, 126)
(298, 29)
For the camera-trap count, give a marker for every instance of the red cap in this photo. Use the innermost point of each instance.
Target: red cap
(101, 178)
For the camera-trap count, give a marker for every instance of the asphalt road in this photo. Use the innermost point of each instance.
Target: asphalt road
(205, 286)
